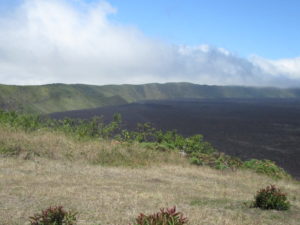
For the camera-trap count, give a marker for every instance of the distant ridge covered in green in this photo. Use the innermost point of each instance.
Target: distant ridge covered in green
(63, 97)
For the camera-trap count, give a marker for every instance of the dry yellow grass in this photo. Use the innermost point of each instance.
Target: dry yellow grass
(106, 195)
(58, 146)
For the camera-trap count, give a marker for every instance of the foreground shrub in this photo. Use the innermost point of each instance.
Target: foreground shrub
(164, 217)
(54, 216)
(271, 197)
(267, 167)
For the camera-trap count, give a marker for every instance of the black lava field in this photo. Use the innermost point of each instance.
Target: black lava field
(247, 128)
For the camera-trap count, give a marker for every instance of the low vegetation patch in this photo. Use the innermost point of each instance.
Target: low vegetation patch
(271, 197)
(167, 216)
(9, 150)
(267, 167)
(216, 160)
(54, 216)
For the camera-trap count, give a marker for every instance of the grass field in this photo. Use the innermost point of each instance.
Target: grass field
(110, 183)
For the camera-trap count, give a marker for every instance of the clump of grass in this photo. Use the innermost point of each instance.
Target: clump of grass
(271, 197)
(9, 150)
(167, 216)
(54, 216)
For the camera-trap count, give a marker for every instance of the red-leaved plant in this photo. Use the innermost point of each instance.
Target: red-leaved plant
(167, 216)
(54, 216)
(271, 197)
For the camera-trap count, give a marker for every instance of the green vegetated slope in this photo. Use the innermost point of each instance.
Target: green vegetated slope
(54, 98)
(62, 97)
(156, 91)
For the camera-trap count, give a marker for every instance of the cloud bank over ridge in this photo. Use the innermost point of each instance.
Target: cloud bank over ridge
(69, 41)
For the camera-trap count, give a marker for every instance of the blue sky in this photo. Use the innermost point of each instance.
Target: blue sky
(269, 28)
(223, 42)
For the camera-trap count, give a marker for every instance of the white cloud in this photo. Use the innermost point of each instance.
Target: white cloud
(287, 67)
(69, 41)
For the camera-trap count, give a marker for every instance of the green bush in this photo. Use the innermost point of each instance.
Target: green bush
(215, 160)
(196, 161)
(27, 122)
(267, 167)
(271, 197)
(164, 217)
(54, 216)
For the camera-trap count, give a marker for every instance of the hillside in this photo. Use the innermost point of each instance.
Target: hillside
(61, 97)
(111, 183)
(53, 98)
